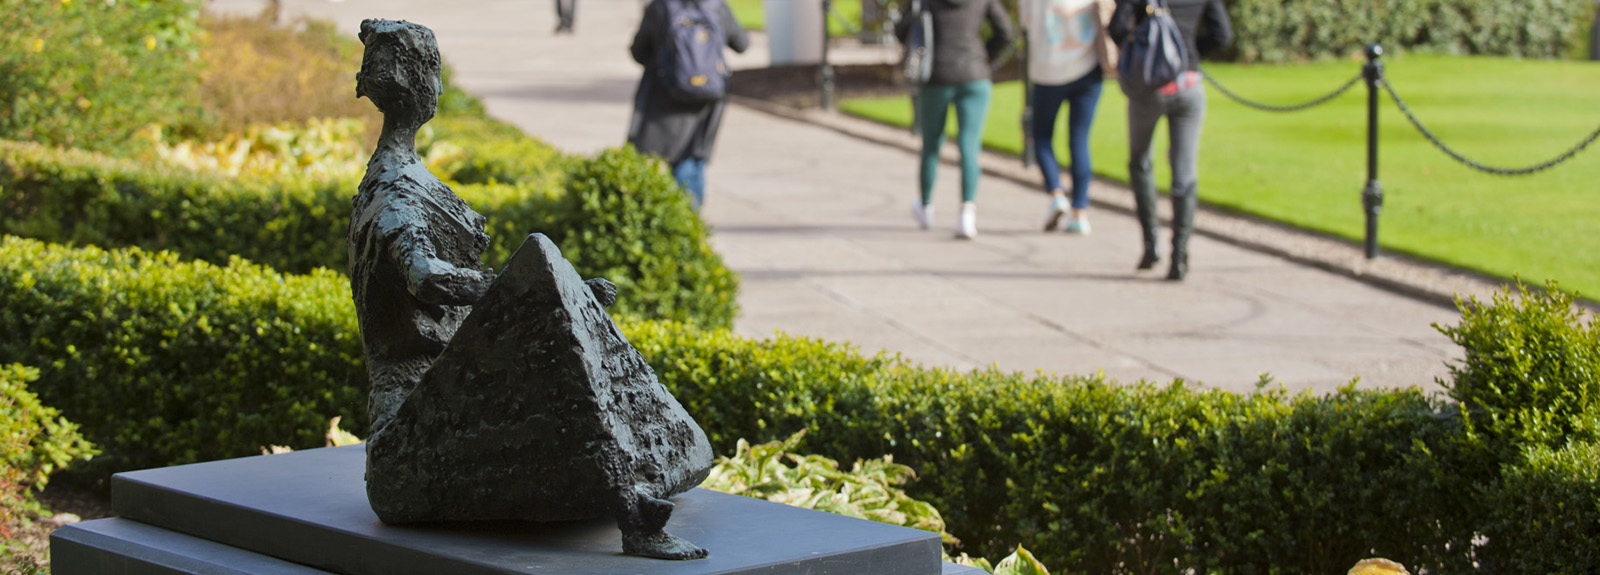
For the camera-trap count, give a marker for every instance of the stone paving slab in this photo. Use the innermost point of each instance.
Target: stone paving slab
(812, 209)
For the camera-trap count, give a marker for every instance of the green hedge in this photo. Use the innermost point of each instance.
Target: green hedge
(1281, 31)
(165, 361)
(1099, 477)
(160, 359)
(91, 73)
(654, 246)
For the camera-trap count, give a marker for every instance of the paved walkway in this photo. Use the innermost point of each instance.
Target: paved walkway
(817, 224)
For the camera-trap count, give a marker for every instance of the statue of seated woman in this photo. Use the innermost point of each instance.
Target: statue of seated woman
(495, 397)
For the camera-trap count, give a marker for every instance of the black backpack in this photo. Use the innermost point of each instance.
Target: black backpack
(691, 65)
(919, 45)
(1154, 55)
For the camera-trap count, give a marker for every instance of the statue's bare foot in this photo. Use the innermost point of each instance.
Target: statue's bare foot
(661, 545)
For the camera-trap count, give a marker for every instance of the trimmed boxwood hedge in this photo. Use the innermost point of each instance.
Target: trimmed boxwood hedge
(1281, 31)
(653, 246)
(164, 361)
(159, 359)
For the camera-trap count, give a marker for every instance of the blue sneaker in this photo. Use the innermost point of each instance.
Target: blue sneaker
(1078, 226)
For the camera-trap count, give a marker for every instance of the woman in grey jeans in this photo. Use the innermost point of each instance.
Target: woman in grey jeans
(1205, 27)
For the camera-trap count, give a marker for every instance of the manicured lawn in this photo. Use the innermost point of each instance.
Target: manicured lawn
(1308, 168)
(753, 16)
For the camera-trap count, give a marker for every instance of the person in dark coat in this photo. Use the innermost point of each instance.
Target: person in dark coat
(961, 78)
(1205, 27)
(683, 134)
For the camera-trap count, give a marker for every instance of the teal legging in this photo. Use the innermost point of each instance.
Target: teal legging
(972, 108)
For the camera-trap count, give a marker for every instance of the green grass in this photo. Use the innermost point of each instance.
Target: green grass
(1308, 168)
(753, 16)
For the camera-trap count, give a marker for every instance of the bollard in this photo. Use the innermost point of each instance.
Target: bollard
(827, 68)
(1372, 196)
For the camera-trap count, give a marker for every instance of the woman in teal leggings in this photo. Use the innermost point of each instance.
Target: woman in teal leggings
(961, 77)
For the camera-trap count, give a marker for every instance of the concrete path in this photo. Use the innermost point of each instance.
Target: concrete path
(817, 224)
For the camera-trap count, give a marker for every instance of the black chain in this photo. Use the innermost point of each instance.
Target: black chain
(1275, 108)
(1480, 167)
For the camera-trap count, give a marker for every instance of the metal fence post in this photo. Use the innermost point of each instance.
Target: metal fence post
(1372, 196)
(827, 68)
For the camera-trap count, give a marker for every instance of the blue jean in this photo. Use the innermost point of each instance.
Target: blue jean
(972, 108)
(1081, 95)
(691, 174)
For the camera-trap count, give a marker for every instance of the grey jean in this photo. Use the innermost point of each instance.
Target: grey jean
(1185, 112)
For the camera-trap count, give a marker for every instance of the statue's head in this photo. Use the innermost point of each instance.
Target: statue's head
(400, 70)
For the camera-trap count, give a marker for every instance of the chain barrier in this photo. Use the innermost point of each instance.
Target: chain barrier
(1276, 108)
(1539, 167)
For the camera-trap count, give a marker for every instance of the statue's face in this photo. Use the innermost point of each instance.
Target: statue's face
(400, 71)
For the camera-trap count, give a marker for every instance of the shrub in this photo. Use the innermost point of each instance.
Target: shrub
(624, 222)
(1547, 513)
(1277, 31)
(256, 72)
(35, 441)
(89, 74)
(1097, 476)
(1532, 368)
(870, 490)
(623, 218)
(161, 360)
(164, 361)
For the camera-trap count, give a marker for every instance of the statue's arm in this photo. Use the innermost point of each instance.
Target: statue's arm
(433, 280)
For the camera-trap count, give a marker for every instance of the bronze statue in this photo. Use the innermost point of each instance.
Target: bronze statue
(495, 397)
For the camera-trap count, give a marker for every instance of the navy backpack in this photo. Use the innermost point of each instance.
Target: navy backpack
(1154, 55)
(692, 67)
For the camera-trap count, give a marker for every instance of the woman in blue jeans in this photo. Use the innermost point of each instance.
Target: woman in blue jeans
(961, 78)
(1069, 55)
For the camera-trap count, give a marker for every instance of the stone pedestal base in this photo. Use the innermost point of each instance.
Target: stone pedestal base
(306, 513)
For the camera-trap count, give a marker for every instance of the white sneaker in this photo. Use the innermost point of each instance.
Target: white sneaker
(1078, 226)
(923, 214)
(969, 221)
(1058, 208)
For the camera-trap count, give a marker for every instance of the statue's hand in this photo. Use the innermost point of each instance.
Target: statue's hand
(604, 291)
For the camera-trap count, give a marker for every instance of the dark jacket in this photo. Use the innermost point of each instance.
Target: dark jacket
(1204, 24)
(673, 130)
(960, 54)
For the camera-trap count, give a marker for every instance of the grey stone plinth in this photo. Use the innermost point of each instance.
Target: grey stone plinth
(122, 547)
(310, 508)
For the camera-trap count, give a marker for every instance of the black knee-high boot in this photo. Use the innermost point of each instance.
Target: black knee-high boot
(1183, 208)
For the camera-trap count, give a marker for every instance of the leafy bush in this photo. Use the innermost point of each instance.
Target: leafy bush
(1547, 513)
(1278, 31)
(164, 361)
(257, 72)
(1101, 477)
(1532, 368)
(161, 360)
(625, 219)
(870, 490)
(34, 442)
(89, 74)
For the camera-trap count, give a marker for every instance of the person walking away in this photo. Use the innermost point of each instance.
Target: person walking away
(676, 110)
(566, 11)
(1069, 56)
(1204, 28)
(961, 77)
